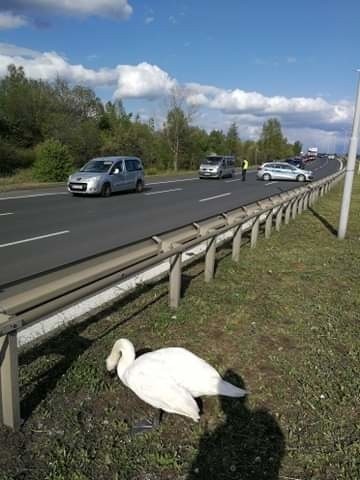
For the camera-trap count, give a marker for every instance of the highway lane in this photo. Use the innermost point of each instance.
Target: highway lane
(42, 232)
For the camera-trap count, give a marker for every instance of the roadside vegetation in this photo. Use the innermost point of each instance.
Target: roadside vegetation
(72, 119)
(284, 323)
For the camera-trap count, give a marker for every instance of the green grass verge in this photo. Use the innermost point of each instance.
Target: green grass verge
(284, 322)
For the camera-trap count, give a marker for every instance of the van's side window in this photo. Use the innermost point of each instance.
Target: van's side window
(129, 165)
(119, 166)
(137, 164)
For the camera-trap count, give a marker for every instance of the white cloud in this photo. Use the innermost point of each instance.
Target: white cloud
(10, 20)
(130, 81)
(146, 81)
(149, 20)
(142, 81)
(10, 50)
(110, 8)
(315, 111)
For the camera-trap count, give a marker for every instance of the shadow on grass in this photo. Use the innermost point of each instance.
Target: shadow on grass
(323, 220)
(249, 445)
(70, 345)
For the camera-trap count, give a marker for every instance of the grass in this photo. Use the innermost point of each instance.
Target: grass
(23, 179)
(284, 323)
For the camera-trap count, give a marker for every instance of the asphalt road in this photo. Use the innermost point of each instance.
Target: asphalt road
(44, 229)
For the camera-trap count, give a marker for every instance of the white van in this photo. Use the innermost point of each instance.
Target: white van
(217, 166)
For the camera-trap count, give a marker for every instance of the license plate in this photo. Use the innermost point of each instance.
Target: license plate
(76, 187)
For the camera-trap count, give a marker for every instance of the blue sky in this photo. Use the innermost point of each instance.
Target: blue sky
(291, 59)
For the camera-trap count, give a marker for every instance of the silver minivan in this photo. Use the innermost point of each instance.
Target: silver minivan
(105, 175)
(217, 166)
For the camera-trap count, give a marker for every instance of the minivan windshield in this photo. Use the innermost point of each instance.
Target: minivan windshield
(213, 160)
(97, 166)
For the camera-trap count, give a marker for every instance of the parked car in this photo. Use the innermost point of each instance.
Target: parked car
(105, 175)
(217, 166)
(297, 162)
(282, 171)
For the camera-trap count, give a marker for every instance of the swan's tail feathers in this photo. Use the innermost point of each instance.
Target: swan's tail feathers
(229, 390)
(114, 357)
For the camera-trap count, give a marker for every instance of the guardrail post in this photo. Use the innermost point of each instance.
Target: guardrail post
(9, 381)
(210, 259)
(295, 208)
(287, 213)
(254, 232)
(268, 224)
(278, 218)
(236, 244)
(306, 201)
(300, 205)
(175, 281)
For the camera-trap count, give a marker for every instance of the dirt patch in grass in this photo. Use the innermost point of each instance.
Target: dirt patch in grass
(282, 323)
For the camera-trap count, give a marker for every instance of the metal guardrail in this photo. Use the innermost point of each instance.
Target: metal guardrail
(71, 284)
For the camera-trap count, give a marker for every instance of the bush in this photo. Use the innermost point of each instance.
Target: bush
(53, 162)
(13, 159)
(152, 171)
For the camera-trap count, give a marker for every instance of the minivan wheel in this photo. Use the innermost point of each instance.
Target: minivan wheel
(266, 177)
(105, 190)
(300, 178)
(139, 186)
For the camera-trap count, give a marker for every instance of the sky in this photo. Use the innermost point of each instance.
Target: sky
(241, 61)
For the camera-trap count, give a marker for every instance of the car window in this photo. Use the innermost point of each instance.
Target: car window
(118, 165)
(130, 165)
(137, 164)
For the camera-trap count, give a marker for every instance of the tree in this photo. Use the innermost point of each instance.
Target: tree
(272, 143)
(53, 162)
(233, 140)
(297, 147)
(217, 142)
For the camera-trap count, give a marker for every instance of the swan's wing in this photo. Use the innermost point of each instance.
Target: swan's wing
(186, 368)
(161, 391)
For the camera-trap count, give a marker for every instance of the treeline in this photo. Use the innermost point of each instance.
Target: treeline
(55, 127)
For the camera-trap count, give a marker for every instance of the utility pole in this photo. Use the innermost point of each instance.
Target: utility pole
(350, 168)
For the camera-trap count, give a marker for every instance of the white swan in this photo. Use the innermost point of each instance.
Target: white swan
(168, 379)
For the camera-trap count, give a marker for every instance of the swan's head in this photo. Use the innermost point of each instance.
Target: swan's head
(122, 347)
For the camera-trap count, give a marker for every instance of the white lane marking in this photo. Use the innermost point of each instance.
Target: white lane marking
(34, 238)
(33, 195)
(216, 196)
(164, 191)
(172, 181)
(270, 183)
(235, 180)
(7, 213)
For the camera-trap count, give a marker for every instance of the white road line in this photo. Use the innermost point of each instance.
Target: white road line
(216, 196)
(34, 238)
(270, 183)
(235, 180)
(172, 181)
(33, 195)
(164, 191)
(4, 214)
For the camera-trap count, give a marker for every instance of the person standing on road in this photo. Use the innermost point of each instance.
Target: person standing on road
(244, 167)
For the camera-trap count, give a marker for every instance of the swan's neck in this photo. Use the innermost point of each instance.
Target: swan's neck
(125, 352)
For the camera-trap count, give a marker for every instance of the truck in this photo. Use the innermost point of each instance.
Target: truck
(312, 153)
